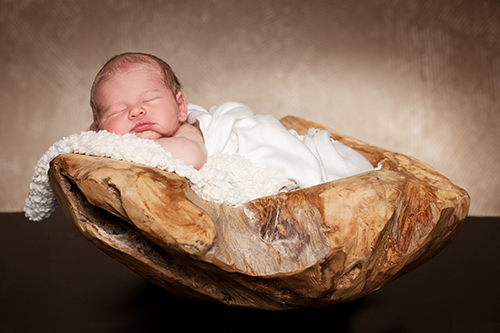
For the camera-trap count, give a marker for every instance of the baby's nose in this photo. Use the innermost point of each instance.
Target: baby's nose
(136, 112)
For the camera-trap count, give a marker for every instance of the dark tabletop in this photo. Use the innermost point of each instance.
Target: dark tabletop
(54, 280)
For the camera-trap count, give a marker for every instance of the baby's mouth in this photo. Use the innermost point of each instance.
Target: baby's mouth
(141, 127)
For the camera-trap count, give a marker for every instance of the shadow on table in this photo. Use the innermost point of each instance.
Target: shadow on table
(167, 310)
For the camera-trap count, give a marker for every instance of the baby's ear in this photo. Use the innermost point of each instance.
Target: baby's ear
(94, 127)
(181, 103)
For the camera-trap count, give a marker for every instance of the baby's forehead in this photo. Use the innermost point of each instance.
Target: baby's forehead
(141, 68)
(154, 75)
(134, 72)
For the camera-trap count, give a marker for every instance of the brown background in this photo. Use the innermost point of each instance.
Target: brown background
(418, 77)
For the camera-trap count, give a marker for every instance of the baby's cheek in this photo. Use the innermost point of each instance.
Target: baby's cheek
(113, 127)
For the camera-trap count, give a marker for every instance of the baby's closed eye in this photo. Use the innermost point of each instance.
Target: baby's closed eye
(149, 100)
(116, 112)
(113, 112)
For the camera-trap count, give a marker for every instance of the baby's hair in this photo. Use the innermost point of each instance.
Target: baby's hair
(124, 61)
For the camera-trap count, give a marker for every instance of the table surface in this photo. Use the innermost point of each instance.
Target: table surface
(54, 280)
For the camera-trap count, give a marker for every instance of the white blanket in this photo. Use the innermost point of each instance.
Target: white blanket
(315, 158)
(250, 156)
(227, 179)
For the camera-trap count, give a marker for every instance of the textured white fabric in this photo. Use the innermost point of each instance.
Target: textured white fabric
(226, 179)
(250, 156)
(309, 160)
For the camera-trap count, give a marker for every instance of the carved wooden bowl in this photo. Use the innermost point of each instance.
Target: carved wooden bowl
(316, 246)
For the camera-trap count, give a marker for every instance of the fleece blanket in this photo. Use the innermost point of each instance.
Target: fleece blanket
(314, 158)
(228, 179)
(250, 156)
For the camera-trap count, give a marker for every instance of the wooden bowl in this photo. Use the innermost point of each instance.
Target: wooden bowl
(316, 246)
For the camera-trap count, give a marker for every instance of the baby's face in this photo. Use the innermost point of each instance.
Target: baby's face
(137, 101)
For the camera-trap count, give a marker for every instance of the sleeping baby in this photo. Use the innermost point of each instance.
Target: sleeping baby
(140, 94)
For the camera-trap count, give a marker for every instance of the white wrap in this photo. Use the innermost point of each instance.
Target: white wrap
(309, 160)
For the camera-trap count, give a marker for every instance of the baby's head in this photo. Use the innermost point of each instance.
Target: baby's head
(128, 81)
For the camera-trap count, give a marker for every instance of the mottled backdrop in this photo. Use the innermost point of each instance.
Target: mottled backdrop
(421, 77)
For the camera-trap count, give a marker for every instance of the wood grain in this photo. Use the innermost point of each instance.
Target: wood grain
(316, 246)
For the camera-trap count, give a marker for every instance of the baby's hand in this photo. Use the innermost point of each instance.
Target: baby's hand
(189, 151)
(187, 145)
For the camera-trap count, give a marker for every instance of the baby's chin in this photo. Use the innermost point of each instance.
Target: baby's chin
(148, 135)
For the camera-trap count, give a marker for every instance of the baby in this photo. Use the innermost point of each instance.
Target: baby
(140, 94)
(247, 154)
